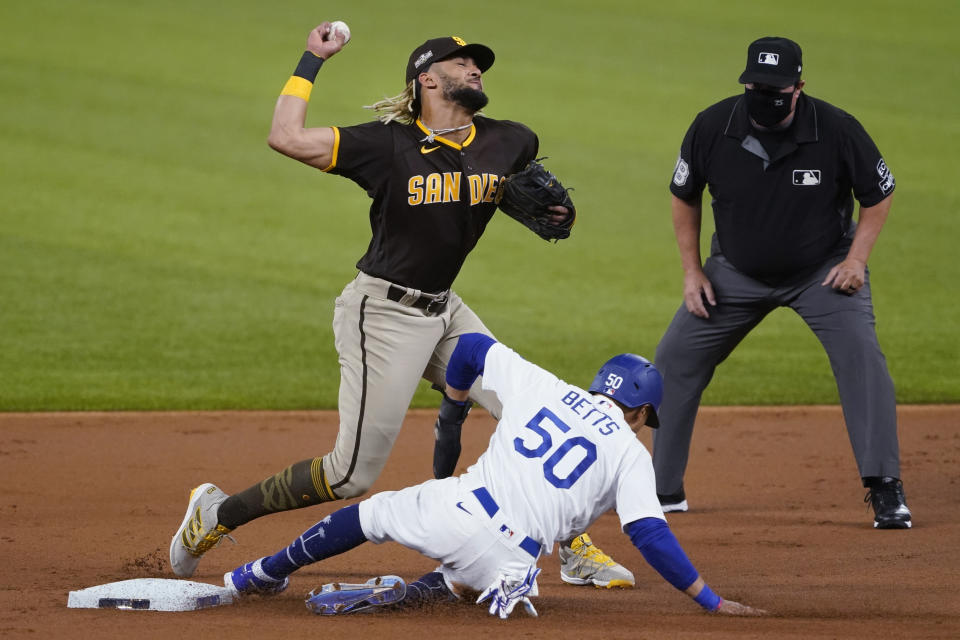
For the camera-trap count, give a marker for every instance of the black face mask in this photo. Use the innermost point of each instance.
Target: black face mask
(768, 108)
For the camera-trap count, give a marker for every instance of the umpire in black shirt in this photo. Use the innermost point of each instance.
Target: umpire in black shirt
(783, 170)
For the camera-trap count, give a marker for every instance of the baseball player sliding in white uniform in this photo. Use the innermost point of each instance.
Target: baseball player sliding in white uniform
(560, 457)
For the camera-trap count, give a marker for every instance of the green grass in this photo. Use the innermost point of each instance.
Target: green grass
(156, 254)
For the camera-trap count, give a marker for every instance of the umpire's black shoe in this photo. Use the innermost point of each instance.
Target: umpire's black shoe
(889, 504)
(673, 502)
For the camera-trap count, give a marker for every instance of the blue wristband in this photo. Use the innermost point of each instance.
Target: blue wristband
(708, 599)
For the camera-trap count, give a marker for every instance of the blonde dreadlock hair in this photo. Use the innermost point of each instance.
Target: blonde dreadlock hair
(399, 108)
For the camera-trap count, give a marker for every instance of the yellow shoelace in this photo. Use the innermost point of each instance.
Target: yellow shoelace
(592, 552)
(192, 532)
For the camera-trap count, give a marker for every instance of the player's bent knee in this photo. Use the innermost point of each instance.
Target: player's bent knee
(354, 485)
(352, 489)
(352, 481)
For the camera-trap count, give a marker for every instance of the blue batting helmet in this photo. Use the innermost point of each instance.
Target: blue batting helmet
(632, 381)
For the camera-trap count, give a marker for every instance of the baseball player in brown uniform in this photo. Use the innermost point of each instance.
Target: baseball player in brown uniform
(431, 165)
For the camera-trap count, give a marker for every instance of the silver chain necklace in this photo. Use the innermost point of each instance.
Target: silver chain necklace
(442, 132)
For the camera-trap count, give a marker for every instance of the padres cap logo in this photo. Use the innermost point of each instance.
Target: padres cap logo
(437, 49)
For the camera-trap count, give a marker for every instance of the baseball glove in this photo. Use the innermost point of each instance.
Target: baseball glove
(527, 196)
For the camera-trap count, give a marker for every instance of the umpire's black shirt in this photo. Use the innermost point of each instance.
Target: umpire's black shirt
(782, 211)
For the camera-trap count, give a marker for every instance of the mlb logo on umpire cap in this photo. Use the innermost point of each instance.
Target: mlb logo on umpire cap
(773, 61)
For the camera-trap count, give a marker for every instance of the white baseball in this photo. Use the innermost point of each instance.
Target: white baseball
(339, 27)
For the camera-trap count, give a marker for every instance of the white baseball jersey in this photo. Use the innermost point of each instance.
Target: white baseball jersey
(560, 456)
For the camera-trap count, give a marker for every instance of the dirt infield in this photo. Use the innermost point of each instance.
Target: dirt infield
(777, 521)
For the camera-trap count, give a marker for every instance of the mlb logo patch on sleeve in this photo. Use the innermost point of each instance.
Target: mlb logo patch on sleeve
(806, 177)
(887, 182)
(681, 172)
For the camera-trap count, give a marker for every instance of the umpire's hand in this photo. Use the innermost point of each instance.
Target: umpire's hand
(848, 276)
(696, 290)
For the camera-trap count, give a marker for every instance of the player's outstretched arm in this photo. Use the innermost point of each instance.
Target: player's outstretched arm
(662, 551)
(288, 135)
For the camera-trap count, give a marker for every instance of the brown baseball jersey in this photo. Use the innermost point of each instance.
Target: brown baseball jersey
(432, 199)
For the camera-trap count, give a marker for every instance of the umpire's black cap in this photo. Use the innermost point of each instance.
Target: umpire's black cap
(773, 61)
(440, 48)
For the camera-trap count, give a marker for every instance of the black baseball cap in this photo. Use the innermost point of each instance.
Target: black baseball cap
(773, 61)
(440, 48)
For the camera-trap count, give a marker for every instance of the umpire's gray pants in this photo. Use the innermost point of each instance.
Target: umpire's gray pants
(692, 347)
(384, 349)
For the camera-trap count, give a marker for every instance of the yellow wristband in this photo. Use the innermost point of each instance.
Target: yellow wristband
(299, 87)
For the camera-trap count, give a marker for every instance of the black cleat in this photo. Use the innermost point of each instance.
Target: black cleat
(889, 505)
(673, 502)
